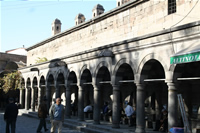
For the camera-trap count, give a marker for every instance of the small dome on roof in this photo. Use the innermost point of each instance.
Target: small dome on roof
(56, 21)
(79, 16)
(98, 7)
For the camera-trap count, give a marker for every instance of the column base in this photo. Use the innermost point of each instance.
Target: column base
(140, 130)
(115, 126)
(96, 122)
(80, 119)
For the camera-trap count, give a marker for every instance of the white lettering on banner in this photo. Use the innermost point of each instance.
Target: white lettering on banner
(185, 58)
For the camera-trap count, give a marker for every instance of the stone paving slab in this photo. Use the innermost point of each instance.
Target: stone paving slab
(26, 124)
(87, 125)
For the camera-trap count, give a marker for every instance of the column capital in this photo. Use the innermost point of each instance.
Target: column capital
(68, 88)
(80, 87)
(172, 86)
(96, 87)
(140, 86)
(39, 89)
(116, 87)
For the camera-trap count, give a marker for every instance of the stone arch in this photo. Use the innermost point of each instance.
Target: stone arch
(28, 82)
(41, 75)
(71, 76)
(34, 76)
(101, 64)
(85, 74)
(172, 67)
(123, 75)
(48, 74)
(175, 74)
(148, 58)
(59, 72)
(83, 69)
(86, 81)
(35, 81)
(69, 71)
(23, 82)
(119, 63)
(42, 80)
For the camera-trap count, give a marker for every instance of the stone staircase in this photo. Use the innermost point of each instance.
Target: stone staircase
(87, 125)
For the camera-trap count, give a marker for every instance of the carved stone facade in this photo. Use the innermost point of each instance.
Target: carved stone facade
(122, 55)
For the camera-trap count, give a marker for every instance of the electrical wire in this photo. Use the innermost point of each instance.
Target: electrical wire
(178, 23)
(186, 14)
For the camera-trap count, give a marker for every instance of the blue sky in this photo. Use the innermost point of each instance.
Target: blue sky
(26, 23)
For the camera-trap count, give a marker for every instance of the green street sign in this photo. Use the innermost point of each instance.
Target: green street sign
(192, 57)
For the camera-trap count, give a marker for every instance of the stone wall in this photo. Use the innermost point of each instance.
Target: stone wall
(122, 23)
(12, 57)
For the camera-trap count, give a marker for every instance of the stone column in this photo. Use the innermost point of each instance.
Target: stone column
(140, 115)
(57, 89)
(27, 99)
(48, 96)
(172, 105)
(116, 107)
(21, 100)
(68, 102)
(32, 99)
(81, 103)
(96, 111)
(39, 96)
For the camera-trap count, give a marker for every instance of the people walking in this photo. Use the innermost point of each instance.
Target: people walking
(42, 114)
(56, 113)
(10, 116)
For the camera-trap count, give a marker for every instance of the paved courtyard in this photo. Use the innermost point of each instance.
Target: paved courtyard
(28, 125)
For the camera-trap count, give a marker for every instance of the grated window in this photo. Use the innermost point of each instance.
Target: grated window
(171, 6)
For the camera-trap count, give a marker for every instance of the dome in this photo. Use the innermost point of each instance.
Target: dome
(56, 21)
(98, 7)
(80, 16)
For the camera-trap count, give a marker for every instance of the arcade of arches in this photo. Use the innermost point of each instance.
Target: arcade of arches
(148, 86)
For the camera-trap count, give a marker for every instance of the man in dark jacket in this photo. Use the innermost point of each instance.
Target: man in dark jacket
(42, 114)
(10, 116)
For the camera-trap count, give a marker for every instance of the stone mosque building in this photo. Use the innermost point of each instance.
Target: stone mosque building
(143, 51)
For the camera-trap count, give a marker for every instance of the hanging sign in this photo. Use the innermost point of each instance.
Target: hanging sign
(192, 57)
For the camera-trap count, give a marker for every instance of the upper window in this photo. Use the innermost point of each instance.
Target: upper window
(118, 3)
(171, 6)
